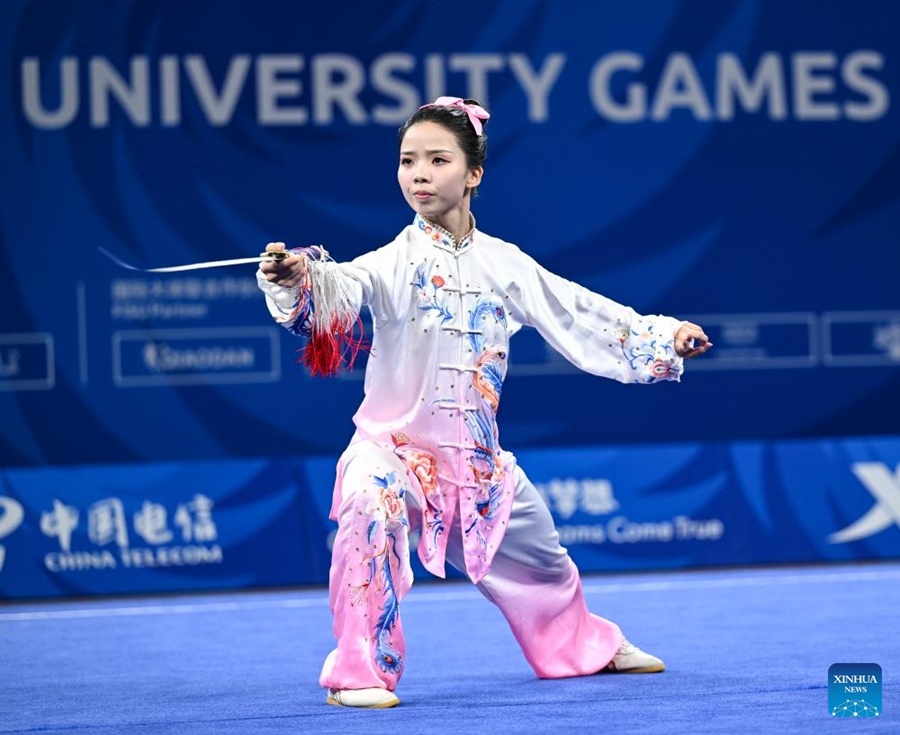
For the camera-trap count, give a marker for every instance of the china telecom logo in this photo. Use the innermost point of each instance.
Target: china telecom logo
(854, 690)
(11, 515)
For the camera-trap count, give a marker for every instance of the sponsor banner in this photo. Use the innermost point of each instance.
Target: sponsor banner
(862, 338)
(753, 341)
(238, 524)
(185, 356)
(162, 527)
(710, 504)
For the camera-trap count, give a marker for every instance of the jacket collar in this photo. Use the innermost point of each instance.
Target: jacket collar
(441, 237)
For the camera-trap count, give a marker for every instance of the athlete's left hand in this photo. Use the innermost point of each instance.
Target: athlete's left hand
(691, 340)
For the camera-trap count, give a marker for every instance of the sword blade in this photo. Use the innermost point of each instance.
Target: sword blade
(261, 258)
(209, 264)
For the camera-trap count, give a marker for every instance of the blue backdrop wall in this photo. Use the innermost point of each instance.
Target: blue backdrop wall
(733, 162)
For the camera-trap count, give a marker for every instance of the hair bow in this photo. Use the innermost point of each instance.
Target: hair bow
(475, 113)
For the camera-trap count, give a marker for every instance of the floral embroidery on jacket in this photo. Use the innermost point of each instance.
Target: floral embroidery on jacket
(435, 233)
(429, 295)
(423, 466)
(438, 234)
(647, 354)
(490, 362)
(489, 339)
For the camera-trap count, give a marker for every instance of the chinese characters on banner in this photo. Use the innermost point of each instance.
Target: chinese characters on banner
(188, 540)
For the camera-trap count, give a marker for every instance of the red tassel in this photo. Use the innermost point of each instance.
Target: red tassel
(330, 351)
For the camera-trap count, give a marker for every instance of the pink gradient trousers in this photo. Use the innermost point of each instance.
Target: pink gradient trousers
(532, 580)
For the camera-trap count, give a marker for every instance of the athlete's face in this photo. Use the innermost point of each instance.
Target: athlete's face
(433, 173)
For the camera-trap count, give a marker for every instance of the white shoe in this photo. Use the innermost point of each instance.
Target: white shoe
(373, 698)
(630, 659)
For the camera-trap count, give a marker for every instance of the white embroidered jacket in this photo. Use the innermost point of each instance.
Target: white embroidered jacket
(443, 314)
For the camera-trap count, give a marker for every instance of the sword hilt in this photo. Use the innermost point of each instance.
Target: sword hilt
(276, 254)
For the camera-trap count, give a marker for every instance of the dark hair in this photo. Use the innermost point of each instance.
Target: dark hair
(457, 122)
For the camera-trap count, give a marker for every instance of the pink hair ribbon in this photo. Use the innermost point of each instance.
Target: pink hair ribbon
(475, 113)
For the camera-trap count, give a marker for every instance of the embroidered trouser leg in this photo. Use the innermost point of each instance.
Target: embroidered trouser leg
(537, 587)
(370, 572)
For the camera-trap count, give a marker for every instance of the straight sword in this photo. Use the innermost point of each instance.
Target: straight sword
(261, 258)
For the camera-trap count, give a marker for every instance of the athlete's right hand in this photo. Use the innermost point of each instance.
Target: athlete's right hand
(289, 272)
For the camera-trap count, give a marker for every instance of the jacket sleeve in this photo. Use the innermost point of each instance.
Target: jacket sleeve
(594, 333)
(325, 309)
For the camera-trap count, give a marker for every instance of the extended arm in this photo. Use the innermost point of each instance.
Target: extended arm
(308, 295)
(603, 337)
